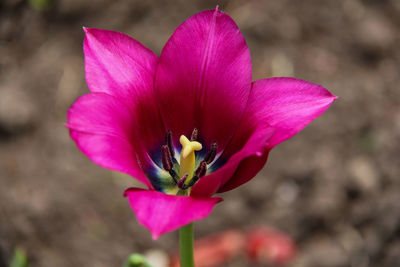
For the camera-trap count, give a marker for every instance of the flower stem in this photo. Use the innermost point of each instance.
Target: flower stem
(186, 245)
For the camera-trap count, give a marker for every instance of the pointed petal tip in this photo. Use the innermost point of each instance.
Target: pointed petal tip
(71, 127)
(332, 98)
(131, 189)
(89, 30)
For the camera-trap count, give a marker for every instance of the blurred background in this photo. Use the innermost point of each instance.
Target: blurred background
(334, 188)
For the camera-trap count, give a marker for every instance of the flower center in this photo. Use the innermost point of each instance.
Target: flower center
(188, 160)
(183, 173)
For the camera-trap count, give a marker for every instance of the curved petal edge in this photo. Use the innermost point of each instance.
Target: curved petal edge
(161, 213)
(101, 127)
(247, 169)
(287, 104)
(117, 64)
(254, 147)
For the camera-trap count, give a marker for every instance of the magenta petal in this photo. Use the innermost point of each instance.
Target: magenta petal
(120, 66)
(117, 64)
(102, 128)
(162, 213)
(203, 78)
(287, 104)
(246, 170)
(278, 108)
(254, 147)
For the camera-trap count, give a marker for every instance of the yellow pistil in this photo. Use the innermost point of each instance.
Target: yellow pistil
(187, 160)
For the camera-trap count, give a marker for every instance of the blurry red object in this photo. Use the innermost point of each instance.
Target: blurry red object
(216, 249)
(266, 245)
(261, 245)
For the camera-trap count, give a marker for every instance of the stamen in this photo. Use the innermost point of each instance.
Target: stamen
(166, 158)
(174, 176)
(191, 183)
(210, 156)
(195, 134)
(201, 170)
(181, 182)
(168, 142)
(189, 176)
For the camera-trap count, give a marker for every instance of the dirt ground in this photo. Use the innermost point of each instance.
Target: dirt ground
(335, 187)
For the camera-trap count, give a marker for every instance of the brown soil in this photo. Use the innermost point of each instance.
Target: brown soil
(335, 187)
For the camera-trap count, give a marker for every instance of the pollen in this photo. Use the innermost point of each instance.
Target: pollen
(187, 161)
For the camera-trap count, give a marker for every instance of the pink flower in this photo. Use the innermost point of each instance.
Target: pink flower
(142, 107)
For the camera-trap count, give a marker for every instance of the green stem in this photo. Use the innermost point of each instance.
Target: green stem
(186, 245)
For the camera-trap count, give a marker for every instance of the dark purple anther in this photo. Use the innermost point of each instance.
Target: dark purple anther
(168, 142)
(181, 182)
(201, 170)
(166, 158)
(211, 153)
(195, 134)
